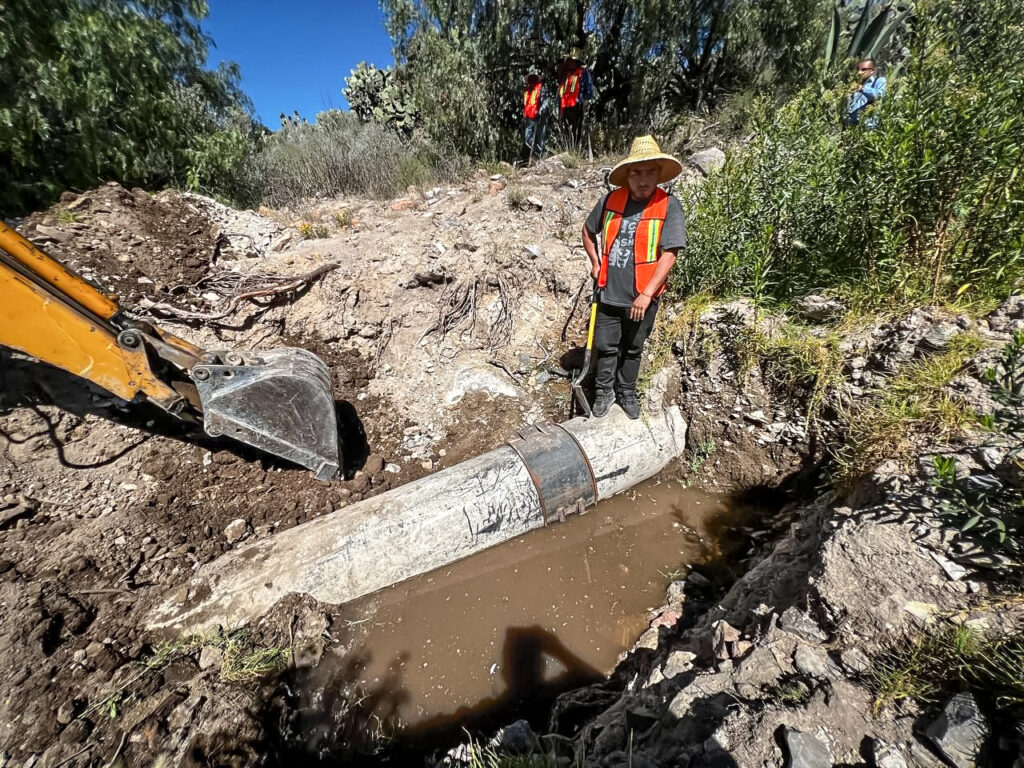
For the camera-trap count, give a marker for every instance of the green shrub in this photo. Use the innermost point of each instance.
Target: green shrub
(1006, 382)
(339, 154)
(993, 508)
(914, 404)
(951, 657)
(929, 206)
(105, 90)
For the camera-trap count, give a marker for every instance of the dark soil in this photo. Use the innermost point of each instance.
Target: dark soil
(106, 507)
(116, 237)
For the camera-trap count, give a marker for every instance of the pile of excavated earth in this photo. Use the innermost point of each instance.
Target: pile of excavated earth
(445, 317)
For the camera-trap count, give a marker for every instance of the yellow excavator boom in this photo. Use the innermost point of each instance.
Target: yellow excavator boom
(279, 400)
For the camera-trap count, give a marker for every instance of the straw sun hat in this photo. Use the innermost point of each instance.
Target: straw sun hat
(645, 149)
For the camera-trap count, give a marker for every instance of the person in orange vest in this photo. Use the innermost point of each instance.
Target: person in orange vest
(575, 87)
(641, 228)
(535, 110)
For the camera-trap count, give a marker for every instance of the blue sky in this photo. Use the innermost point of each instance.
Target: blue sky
(296, 54)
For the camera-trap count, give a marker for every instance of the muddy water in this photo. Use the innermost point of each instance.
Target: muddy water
(554, 607)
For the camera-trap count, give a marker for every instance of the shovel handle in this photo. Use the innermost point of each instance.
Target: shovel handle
(593, 320)
(594, 296)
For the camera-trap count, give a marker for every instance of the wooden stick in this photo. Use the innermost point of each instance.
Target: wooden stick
(111, 761)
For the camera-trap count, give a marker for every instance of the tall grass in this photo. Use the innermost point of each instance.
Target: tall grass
(952, 656)
(339, 154)
(928, 206)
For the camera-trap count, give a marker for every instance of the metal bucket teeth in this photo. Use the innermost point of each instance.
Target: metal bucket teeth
(279, 401)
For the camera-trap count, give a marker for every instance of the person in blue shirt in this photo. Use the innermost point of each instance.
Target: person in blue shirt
(868, 92)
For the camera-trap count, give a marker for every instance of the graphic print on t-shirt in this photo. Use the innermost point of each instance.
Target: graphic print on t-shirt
(619, 290)
(621, 256)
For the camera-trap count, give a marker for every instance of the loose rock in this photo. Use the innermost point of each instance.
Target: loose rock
(211, 657)
(707, 160)
(235, 530)
(77, 731)
(810, 661)
(854, 660)
(960, 731)
(819, 308)
(52, 233)
(697, 580)
(798, 623)
(678, 662)
(517, 738)
(804, 750)
(374, 464)
(954, 571)
(886, 756)
(67, 711)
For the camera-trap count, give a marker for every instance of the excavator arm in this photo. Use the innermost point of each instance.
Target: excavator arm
(279, 400)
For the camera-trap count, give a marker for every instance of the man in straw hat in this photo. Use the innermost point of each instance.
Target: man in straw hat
(641, 227)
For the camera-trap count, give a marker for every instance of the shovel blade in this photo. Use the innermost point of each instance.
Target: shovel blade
(278, 401)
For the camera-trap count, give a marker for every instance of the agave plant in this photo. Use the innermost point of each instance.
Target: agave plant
(870, 31)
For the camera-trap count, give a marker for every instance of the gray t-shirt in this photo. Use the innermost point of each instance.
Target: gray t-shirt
(620, 290)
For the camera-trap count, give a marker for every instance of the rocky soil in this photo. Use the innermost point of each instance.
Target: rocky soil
(783, 667)
(443, 327)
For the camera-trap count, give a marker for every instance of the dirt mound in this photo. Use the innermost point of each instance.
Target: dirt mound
(107, 507)
(130, 243)
(136, 244)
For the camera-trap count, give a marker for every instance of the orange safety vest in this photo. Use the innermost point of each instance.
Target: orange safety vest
(647, 242)
(569, 90)
(531, 101)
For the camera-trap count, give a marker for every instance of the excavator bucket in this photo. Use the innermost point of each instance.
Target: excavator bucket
(278, 401)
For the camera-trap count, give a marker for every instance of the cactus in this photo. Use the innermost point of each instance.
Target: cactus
(870, 32)
(380, 95)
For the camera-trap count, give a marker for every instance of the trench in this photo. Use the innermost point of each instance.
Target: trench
(499, 635)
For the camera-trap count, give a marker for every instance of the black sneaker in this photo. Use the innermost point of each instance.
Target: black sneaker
(603, 403)
(629, 404)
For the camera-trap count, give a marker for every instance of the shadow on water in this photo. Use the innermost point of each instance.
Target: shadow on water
(320, 715)
(335, 713)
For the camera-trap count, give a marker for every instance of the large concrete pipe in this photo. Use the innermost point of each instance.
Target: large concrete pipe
(541, 475)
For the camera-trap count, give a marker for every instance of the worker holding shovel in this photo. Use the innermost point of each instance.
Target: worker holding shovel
(641, 227)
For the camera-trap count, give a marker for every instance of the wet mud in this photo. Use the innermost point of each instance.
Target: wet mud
(498, 636)
(588, 583)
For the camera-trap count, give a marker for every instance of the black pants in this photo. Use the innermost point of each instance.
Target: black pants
(619, 342)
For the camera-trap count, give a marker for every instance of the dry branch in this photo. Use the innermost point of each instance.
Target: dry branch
(572, 310)
(499, 334)
(387, 331)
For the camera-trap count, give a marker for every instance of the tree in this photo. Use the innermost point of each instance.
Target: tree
(108, 89)
(465, 59)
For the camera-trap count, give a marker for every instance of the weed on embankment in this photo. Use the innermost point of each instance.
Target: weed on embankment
(913, 403)
(242, 658)
(950, 657)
